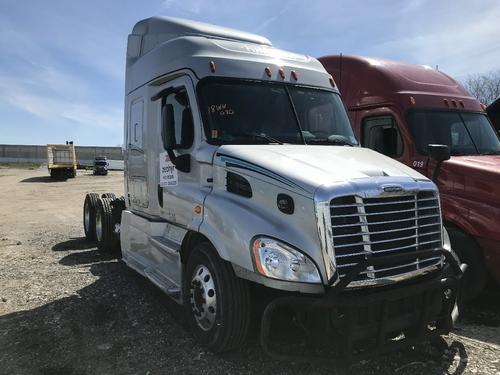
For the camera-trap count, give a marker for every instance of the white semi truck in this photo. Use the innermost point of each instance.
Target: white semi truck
(241, 169)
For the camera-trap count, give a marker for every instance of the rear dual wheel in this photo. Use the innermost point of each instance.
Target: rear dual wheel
(89, 210)
(107, 239)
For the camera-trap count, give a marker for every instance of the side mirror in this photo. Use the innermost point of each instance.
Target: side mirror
(390, 139)
(181, 162)
(168, 127)
(439, 153)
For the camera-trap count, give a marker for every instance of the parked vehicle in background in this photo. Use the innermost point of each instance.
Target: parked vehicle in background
(101, 166)
(399, 109)
(493, 111)
(61, 160)
(242, 169)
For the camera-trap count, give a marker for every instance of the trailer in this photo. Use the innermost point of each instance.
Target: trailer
(242, 172)
(61, 160)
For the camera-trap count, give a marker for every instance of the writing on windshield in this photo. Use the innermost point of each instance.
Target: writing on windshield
(250, 112)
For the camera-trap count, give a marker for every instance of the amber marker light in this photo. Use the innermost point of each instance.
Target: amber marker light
(412, 100)
(294, 75)
(256, 254)
(197, 210)
(461, 102)
(332, 81)
(212, 66)
(268, 71)
(281, 71)
(445, 101)
(454, 102)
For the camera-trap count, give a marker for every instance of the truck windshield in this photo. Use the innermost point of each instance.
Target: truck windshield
(465, 133)
(250, 112)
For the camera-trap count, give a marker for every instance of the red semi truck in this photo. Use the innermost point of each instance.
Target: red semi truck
(399, 109)
(493, 111)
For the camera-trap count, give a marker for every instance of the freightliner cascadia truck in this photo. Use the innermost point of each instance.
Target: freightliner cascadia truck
(242, 173)
(399, 109)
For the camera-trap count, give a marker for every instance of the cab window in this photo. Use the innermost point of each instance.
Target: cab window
(380, 133)
(178, 102)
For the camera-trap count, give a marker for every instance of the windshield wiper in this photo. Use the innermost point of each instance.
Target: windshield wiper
(258, 135)
(333, 139)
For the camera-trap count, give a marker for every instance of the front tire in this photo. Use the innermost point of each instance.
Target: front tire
(217, 302)
(476, 275)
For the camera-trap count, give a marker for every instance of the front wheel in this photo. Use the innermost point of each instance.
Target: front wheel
(217, 302)
(476, 275)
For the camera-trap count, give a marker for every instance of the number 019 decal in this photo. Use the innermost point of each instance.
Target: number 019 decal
(418, 163)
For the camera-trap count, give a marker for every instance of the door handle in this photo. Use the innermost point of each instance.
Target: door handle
(160, 196)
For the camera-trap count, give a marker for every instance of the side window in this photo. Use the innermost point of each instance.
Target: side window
(381, 134)
(182, 116)
(136, 123)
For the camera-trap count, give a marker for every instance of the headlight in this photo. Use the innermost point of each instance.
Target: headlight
(277, 260)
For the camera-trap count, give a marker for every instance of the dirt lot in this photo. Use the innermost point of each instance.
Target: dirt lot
(66, 309)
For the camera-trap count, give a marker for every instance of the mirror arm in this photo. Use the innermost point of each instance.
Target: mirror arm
(437, 169)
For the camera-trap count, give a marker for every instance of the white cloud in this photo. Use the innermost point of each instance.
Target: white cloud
(18, 94)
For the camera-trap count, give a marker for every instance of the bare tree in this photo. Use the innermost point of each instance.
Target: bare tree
(485, 87)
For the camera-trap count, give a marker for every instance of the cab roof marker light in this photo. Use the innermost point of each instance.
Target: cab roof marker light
(461, 102)
(281, 71)
(483, 106)
(445, 101)
(268, 71)
(332, 81)
(212, 66)
(412, 100)
(294, 75)
(454, 102)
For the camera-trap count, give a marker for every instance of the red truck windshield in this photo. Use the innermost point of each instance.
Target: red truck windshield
(252, 112)
(464, 133)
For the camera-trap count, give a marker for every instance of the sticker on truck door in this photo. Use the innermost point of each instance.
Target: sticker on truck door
(168, 173)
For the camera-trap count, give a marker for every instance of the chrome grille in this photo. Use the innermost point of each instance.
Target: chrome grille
(381, 226)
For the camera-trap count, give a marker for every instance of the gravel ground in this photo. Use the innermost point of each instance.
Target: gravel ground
(66, 309)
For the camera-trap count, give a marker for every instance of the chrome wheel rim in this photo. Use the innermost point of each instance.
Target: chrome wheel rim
(98, 225)
(203, 298)
(86, 216)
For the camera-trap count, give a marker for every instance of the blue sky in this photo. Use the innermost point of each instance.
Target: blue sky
(62, 61)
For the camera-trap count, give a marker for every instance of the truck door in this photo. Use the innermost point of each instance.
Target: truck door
(180, 193)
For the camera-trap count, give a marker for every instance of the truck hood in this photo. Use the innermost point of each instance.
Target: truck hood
(486, 163)
(308, 167)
